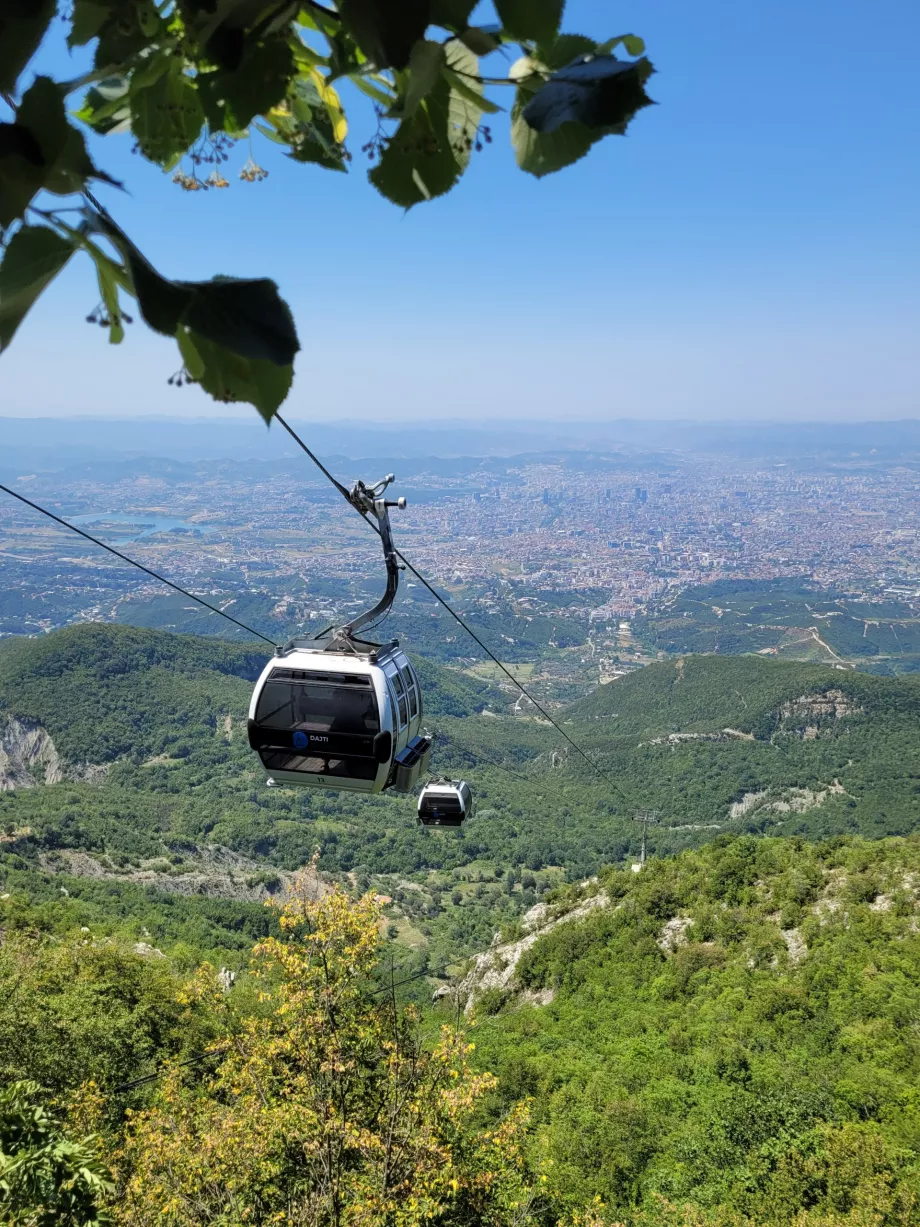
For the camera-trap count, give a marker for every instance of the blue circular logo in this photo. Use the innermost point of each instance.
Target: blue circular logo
(300, 740)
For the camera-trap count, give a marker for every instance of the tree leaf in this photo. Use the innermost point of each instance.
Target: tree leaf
(598, 91)
(431, 149)
(108, 291)
(452, 14)
(166, 114)
(21, 171)
(633, 44)
(467, 90)
(530, 20)
(333, 104)
(229, 377)
(41, 150)
(565, 49)
(424, 70)
(192, 359)
(22, 27)
(372, 91)
(106, 106)
(89, 16)
(231, 99)
(419, 150)
(480, 40)
(386, 30)
(33, 258)
(308, 124)
(544, 153)
(244, 315)
(465, 107)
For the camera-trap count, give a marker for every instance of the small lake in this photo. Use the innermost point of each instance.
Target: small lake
(137, 524)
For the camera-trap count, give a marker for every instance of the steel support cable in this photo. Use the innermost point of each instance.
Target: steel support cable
(458, 619)
(140, 566)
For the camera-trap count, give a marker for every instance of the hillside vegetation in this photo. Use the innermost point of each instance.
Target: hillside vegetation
(135, 743)
(726, 1039)
(734, 1029)
(790, 617)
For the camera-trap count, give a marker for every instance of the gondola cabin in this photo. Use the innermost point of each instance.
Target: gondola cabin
(341, 719)
(445, 803)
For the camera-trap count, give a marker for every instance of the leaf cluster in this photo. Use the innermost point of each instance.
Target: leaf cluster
(190, 78)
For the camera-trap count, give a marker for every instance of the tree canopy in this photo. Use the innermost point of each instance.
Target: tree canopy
(190, 79)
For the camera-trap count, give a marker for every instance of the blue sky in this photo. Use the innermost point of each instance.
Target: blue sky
(750, 250)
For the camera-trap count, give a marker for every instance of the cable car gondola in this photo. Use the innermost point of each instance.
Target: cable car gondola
(445, 803)
(344, 713)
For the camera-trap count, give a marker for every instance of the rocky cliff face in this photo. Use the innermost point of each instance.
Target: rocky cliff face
(28, 757)
(495, 969)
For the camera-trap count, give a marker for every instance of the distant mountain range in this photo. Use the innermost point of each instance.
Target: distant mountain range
(46, 443)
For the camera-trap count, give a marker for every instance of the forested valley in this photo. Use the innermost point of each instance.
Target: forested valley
(727, 1035)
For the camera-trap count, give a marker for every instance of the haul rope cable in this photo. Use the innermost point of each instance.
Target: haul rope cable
(469, 630)
(140, 566)
(242, 625)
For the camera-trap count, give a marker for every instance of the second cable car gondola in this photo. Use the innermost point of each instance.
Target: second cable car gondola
(445, 803)
(343, 713)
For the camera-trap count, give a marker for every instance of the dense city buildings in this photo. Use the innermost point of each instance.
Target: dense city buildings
(598, 538)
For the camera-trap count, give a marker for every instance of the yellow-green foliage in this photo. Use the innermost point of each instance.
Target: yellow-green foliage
(327, 1107)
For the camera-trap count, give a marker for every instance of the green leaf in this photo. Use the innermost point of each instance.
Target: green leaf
(162, 302)
(479, 40)
(424, 70)
(633, 44)
(598, 91)
(33, 258)
(89, 16)
(41, 150)
(21, 171)
(229, 377)
(232, 99)
(122, 35)
(108, 291)
(245, 316)
(22, 27)
(190, 355)
(166, 115)
(386, 30)
(372, 91)
(452, 14)
(530, 20)
(313, 138)
(544, 153)
(468, 90)
(431, 149)
(466, 106)
(564, 49)
(106, 107)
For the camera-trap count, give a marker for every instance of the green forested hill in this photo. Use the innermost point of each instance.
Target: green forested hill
(703, 693)
(811, 751)
(103, 690)
(753, 744)
(792, 617)
(736, 1029)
